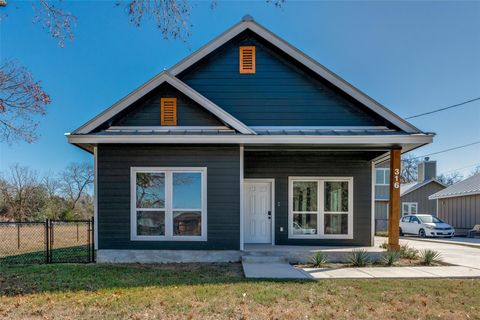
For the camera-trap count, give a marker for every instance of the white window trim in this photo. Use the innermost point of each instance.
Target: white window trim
(386, 179)
(320, 208)
(168, 204)
(410, 205)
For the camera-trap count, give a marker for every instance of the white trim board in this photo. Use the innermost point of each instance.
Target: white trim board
(363, 140)
(153, 83)
(248, 23)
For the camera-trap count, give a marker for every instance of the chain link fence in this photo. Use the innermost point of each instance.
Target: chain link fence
(51, 241)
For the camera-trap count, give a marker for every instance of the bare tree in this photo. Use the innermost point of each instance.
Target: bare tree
(475, 170)
(172, 17)
(409, 168)
(76, 179)
(51, 184)
(450, 178)
(21, 99)
(21, 192)
(55, 20)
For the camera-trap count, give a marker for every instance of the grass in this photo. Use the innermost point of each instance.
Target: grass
(219, 291)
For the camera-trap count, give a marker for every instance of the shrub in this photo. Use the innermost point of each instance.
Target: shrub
(384, 245)
(358, 258)
(389, 258)
(406, 252)
(429, 257)
(319, 259)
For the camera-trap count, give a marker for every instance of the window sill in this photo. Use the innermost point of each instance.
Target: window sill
(170, 239)
(321, 237)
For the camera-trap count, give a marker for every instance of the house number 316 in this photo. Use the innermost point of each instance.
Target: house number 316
(396, 178)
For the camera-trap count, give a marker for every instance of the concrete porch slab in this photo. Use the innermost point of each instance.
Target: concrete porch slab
(303, 254)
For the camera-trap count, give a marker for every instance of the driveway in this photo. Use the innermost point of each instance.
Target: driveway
(451, 253)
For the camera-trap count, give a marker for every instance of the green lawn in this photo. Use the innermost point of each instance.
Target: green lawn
(220, 292)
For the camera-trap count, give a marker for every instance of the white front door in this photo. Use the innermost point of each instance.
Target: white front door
(258, 212)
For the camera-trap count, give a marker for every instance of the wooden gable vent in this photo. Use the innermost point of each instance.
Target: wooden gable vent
(247, 59)
(168, 111)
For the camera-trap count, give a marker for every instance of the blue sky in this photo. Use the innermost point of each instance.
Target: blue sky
(410, 56)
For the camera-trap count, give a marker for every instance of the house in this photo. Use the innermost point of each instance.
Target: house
(413, 196)
(248, 140)
(459, 204)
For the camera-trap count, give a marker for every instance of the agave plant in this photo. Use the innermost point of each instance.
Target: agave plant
(319, 259)
(429, 257)
(389, 258)
(407, 252)
(358, 258)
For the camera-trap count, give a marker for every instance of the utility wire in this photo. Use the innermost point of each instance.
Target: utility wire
(450, 149)
(442, 109)
(472, 165)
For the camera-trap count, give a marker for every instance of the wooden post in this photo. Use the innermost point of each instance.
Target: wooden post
(394, 203)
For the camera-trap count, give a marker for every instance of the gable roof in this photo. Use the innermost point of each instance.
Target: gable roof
(467, 187)
(248, 23)
(153, 83)
(415, 186)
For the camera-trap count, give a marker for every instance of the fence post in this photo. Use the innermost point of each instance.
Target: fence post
(18, 235)
(47, 243)
(93, 239)
(77, 231)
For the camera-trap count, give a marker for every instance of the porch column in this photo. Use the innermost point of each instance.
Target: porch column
(394, 203)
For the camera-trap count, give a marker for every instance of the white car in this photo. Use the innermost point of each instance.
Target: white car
(425, 225)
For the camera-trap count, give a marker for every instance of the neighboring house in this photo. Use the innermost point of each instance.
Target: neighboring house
(413, 196)
(459, 204)
(247, 140)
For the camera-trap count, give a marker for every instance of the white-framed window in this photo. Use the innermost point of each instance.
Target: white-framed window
(382, 176)
(320, 207)
(168, 204)
(409, 208)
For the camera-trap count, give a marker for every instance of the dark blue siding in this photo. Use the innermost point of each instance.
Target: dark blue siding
(146, 112)
(223, 193)
(341, 164)
(281, 93)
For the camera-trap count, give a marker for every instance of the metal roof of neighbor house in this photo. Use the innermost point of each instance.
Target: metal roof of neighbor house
(467, 187)
(408, 188)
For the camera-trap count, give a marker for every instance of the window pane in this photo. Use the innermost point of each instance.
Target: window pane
(304, 224)
(187, 190)
(336, 223)
(151, 223)
(187, 223)
(150, 190)
(379, 176)
(387, 176)
(336, 196)
(305, 196)
(413, 208)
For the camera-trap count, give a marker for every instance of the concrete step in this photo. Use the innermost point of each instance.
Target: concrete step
(264, 259)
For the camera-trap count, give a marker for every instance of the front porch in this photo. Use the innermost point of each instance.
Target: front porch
(302, 254)
(284, 200)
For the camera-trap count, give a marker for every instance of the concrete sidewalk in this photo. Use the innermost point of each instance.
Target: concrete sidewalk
(392, 272)
(279, 270)
(275, 270)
